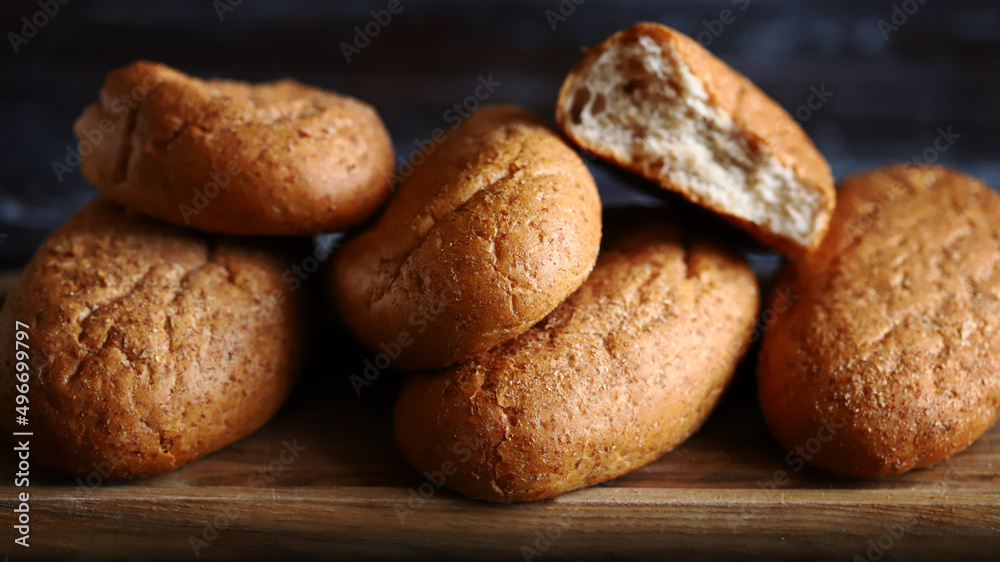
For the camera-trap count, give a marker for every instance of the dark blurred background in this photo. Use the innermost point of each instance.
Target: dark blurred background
(896, 85)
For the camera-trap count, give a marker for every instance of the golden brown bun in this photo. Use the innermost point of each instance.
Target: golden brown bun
(150, 345)
(623, 371)
(890, 358)
(652, 100)
(487, 236)
(271, 159)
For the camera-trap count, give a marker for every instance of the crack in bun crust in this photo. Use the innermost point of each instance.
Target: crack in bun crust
(151, 345)
(487, 236)
(894, 339)
(624, 370)
(277, 158)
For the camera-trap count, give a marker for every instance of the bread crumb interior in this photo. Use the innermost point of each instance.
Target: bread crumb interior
(644, 105)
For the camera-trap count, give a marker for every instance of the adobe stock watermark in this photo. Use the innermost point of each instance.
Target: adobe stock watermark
(781, 303)
(300, 272)
(261, 479)
(715, 27)
(201, 197)
(30, 25)
(797, 457)
(96, 478)
(563, 11)
(882, 544)
(883, 199)
(899, 16)
(391, 350)
(944, 140)
(418, 497)
(455, 116)
(817, 99)
(223, 7)
(297, 274)
(543, 540)
(121, 107)
(364, 35)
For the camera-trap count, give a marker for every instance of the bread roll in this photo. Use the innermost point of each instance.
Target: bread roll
(498, 225)
(150, 345)
(269, 159)
(623, 371)
(889, 359)
(654, 101)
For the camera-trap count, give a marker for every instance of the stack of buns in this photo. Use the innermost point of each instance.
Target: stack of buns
(153, 344)
(542, 357)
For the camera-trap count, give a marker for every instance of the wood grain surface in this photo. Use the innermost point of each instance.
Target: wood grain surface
(324, 480)
(348, 494)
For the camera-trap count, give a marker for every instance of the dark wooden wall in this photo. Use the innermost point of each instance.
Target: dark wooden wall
(940, 69)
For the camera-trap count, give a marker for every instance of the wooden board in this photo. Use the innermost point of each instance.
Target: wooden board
(338, 498)
(347, 494)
